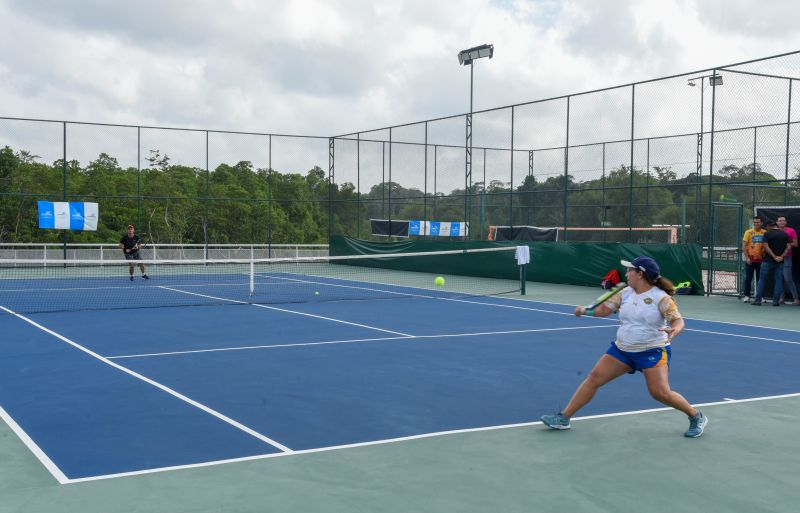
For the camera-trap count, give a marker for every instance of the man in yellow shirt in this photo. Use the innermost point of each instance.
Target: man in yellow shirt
(753, 250)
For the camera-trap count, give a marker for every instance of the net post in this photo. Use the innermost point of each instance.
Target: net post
(523, 278)
(252, 278)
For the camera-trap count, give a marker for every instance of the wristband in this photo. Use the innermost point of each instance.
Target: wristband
(589, 312)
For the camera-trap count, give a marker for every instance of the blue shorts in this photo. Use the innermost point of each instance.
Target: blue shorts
(641, 360)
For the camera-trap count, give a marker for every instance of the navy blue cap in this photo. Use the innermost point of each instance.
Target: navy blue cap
(646, 264)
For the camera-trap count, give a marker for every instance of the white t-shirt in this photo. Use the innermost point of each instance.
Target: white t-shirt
(642, 315)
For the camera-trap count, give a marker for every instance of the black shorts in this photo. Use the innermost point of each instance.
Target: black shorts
(133, 256)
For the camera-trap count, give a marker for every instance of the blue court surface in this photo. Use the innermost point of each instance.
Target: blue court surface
(101, 393)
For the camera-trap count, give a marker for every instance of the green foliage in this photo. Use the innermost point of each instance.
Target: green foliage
(239, 203)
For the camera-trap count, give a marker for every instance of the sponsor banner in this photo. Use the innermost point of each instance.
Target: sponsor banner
(60, 215)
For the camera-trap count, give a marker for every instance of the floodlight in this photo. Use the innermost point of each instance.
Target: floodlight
(715, 80)
(691, 83)
(470, 54)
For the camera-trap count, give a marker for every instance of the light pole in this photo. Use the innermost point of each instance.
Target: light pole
(466, 57)
(714, 80)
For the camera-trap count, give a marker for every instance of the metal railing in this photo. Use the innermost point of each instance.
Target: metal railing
(54, 252)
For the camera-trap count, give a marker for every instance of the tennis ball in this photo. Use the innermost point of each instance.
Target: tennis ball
(316, 293)
(439, 281)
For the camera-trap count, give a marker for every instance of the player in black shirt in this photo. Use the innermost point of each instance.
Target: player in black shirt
(130, 244)
(775, 248)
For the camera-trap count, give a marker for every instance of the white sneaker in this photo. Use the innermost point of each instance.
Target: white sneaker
(746, 299)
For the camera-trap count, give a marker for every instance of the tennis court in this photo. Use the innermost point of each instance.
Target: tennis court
(332, 396)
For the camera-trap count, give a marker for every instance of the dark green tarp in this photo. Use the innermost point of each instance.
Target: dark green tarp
(573, 263)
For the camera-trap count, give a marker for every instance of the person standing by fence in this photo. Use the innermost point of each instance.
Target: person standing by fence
(788, 277)
(776, 246)
(753, 250)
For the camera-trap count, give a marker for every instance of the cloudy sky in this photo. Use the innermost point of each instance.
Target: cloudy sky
(337, 66)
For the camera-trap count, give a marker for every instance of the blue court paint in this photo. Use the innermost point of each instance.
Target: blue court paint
(92, 419)
(354, 393)
(147, 330)
(418, 316)
(320, 396)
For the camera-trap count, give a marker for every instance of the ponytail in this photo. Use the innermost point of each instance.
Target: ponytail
(664, 284)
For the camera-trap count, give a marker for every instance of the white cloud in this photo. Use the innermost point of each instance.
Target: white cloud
(314, 21)
(308, 66)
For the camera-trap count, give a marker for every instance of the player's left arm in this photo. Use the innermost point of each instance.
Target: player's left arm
(675, 323)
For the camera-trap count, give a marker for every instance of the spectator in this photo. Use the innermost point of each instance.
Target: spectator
(753, 249)
(776, 245)
(788, 278)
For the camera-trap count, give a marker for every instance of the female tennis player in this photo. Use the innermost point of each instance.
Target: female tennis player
(650, 320)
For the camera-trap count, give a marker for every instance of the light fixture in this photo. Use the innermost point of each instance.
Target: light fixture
(466, 57)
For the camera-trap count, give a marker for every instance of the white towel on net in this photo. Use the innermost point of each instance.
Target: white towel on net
(523, 255)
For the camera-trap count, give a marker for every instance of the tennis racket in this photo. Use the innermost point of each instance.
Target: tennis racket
(584, 310)
(142, 244)
(608, 295)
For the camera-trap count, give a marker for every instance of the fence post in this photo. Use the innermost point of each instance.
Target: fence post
(205, 218)
(788, 127)
(566, 177)
(64, 190)
(511, 185)
(269, 200)
(331, 181)
(630, 190)
(711, 159)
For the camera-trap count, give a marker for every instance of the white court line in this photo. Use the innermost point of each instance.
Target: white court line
(67, 289)
(414, 437)
(339, 285)
(518, 307)
(764, 339)
(687, 318)
(740, 324)
(350, 341)
(145, 287)
(154, 383)
(528, 308)
(34, 448)
(425, 296)
(285, 310)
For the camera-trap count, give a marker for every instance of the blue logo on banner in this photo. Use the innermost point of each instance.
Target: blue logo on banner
(414, 228)
(76, 216)
(455, 229)
(435, 228)
(47, 214)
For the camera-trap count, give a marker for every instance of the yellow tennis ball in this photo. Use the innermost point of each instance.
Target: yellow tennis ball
(439, 281)
(316, 293)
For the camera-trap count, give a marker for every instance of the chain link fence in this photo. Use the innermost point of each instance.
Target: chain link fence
(642, 162)
(176, 186)
(614, 165)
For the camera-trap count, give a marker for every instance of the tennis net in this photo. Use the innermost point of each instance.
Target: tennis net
(35, 286)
